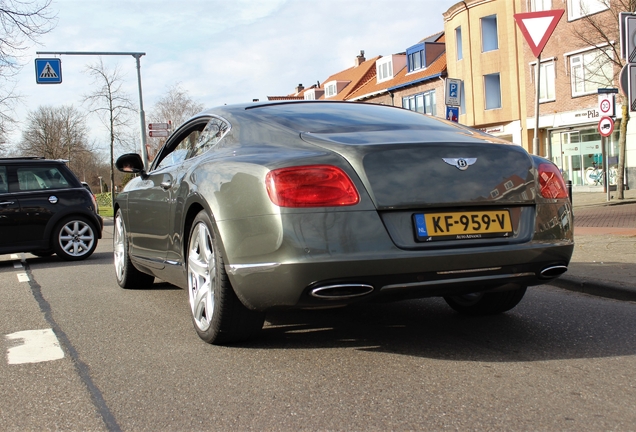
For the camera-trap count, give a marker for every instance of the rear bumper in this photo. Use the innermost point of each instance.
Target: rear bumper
(284, 260)
(266, 285)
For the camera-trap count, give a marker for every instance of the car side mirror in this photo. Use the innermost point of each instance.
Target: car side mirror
(130, 163)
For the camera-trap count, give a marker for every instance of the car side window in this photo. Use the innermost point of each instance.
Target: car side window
(40, 178)
(181, 151)
(214, 131)
(4, 182)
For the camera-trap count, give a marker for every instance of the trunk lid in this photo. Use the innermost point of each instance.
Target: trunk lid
(406, 169)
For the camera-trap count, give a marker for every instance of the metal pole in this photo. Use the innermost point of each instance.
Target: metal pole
(535, 141)
(142, 117)
(604, 143)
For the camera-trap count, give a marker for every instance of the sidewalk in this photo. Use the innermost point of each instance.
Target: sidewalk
(604, 259)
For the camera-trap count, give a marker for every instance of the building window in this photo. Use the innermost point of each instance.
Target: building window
(384, 69)
(415, 60)
(547, 90)
(489, 39)
(540, 5)
(492, 87)
(422, 102)
(581, 8)
(590, 71)
(462, 101)
(331, 90)
(458, 42)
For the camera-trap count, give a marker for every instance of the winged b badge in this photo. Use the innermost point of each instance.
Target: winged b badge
(461, 163)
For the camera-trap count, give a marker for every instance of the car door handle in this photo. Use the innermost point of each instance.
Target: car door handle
(7, 202)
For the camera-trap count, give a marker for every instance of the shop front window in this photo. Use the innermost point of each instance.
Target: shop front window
(580, 157)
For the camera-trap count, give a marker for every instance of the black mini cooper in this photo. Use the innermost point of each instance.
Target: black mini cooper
(44, 209)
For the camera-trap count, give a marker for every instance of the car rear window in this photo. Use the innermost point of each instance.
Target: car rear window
(326, 117)
(39, 178)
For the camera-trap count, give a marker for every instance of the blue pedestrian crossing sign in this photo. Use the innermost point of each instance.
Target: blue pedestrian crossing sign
(48, 71)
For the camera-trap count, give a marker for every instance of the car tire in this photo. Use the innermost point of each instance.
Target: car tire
(125, 272)
(218, 315)
(489, 303)
(74, 238)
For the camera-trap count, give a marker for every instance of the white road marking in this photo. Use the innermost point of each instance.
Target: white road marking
(14, 256)
(23, 277)
(17, 264)
(33, 346)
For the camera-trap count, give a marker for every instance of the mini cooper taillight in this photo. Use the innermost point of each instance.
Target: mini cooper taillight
(551, 182)
(311, 186)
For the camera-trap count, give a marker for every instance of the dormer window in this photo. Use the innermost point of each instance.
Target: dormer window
(416, 57)
(314, 94)
(420, 56)
(384, 68)
(332, 88)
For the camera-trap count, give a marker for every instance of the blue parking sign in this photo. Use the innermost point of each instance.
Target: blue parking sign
(48, 71)
(453, 90)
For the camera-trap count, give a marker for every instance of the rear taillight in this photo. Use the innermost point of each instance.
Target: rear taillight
(311, 186)
(551, 182)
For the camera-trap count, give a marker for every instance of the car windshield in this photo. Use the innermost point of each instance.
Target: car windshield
(325, 117)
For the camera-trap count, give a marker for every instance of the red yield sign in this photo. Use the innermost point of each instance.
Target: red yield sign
(537, 27)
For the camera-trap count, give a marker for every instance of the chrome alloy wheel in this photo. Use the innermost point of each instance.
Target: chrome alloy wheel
(76, 238)
(201, 276)
(119, 250)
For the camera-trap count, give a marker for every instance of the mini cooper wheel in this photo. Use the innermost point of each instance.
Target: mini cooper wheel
(489, 303)
(125, 272)
(217, 313)
(74, 238)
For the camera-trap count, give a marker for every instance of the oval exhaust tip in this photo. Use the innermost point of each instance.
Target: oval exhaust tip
(341, 291)
(553, 271)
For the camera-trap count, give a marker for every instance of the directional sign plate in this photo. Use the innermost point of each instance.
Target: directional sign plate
(48, 71)
(537, 27)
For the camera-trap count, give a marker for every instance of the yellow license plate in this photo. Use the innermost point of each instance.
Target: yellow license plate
(463, 225)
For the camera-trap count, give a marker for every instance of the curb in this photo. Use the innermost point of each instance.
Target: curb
(592, 287)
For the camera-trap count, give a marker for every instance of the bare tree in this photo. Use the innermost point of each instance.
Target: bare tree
(176, 106)
(22, 22)
(603, 29)
(112, 105)
(55, 133)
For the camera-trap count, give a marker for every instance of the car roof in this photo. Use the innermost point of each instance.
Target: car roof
(35, 160)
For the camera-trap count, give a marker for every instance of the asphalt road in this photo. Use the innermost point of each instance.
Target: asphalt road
(559, 361)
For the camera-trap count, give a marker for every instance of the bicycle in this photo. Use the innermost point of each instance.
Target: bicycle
(596, 176)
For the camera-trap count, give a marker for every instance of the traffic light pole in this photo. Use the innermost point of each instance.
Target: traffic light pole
(142, 115)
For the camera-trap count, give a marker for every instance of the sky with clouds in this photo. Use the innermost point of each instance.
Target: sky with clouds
(219, 51)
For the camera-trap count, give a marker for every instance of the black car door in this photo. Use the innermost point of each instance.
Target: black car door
(42, 190)
(10, 234)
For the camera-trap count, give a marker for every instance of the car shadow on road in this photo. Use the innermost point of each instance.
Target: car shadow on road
(543, 327)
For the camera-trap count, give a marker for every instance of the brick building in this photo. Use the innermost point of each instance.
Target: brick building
(487, 51)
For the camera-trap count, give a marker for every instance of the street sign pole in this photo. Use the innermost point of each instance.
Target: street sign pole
(142, 115)
(537, 27)
(535, 140)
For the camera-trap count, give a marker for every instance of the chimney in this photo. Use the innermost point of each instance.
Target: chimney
(299, 88)
(360, 59)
